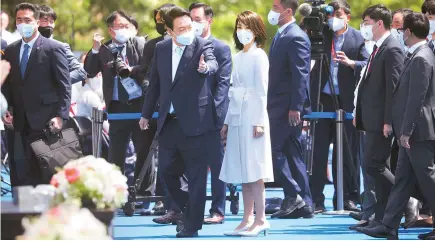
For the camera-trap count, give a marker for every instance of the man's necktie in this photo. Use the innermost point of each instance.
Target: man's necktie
(275, 39)
(179, 51)
(122, 92)
(24, 60)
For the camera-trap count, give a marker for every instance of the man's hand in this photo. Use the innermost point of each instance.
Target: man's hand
(343, 59)
(202, 68)
(55, 124)
(354, 122)
(387, 130)
(224, 132)
(143, 123)
(294, 118)
(5, 67)
(404, 141)
(97, 41)
(258, 131)
(8, 119)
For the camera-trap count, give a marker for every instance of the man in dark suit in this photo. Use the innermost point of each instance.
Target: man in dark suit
(428, 8)
(374, 115)
(346, 57)
(122, 93)
(202, 15)
(38, 87)
(413, 123)
(287, 102)
(186, 124)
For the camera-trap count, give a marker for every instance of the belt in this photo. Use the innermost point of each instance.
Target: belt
(171, 116)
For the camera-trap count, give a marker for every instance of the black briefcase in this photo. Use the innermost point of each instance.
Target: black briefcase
(56, 150)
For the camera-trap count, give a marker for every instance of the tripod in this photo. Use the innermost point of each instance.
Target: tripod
(341, 134)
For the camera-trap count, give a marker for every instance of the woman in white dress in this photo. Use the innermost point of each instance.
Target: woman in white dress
(248, 156)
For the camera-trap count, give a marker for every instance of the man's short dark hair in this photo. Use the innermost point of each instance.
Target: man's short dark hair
(174, 13)
(46, 11)
(163, 9)
(418, 24)
(404, 11)
(293, 4)
(379, 12)
(428, 7)
(111, 18)
(208, 10)
(28, 6)
(343, 4)
(134, 22)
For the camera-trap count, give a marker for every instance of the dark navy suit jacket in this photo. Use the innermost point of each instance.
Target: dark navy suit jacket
(220, 82)
(347, 77)
(289, 75)
(189, 92)
(45, 90)
(4, 45)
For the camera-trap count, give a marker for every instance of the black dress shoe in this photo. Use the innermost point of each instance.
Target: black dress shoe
(381, 231)
(427, 236)
(356, 215)
(359, 225)
(187, 234)
(371, 224)
(412, 211)
(350, 205)
(289, 205)
(305, 212)
(319, 209)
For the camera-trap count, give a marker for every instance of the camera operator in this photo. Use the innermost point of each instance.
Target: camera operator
(346, 56)
(118, 60)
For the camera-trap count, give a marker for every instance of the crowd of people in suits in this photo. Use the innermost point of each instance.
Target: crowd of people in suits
(254, 102)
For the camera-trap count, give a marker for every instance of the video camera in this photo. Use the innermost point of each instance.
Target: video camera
(120, 67)
(315, 21)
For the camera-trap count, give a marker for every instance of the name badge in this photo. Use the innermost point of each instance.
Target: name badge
(133, 89)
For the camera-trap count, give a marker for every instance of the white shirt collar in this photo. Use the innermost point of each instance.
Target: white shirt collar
(415, 46)
(207, 37)
(381, 40)
(31, 43)
(283, 27)
(174, 46)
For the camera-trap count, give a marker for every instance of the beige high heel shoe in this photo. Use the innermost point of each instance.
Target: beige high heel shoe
(236, 232)
(256, 231)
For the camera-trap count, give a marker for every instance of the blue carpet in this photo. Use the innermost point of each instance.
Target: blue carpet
(321, 227)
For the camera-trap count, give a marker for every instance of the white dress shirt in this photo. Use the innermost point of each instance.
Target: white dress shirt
(381, 40)
(31, 43)
(415, 46)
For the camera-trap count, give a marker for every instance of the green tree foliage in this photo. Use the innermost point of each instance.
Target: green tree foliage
(79, 19)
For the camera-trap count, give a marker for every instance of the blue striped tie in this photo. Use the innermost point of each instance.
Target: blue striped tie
(24, 60)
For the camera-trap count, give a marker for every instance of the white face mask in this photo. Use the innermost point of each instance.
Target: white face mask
(432, 27)
(369, 46)
(273, 17)
(95, 83)
(198, 28)
(399, 36)
(185, 38)
(122, 35)
(367, 32)
(26, 30)
(245, 36)
(336, 24)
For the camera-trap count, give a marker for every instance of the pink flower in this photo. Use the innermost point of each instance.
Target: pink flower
(54, 182)
(54, 211)
(72, 174)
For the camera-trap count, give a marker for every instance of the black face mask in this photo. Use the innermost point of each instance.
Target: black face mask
(46, 31)
(160, 27)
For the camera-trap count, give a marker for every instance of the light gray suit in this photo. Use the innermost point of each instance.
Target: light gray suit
(413, 115)
(76, 71)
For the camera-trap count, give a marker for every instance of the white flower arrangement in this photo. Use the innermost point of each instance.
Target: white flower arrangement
(64, 222)
(90, 182)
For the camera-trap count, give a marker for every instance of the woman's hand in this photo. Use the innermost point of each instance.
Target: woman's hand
(258, 131)
(224, 132)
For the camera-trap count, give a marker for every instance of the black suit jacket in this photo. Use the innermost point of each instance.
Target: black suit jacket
(374, 103)
(414, 97)
(45, 90)
(347, 77)
(96, 63)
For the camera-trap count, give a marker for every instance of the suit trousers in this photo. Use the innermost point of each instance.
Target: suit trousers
(289, 167)
(369, 198)
(377, 150)
(120, 132)
(415, 166)
(185, 155)
(218, 187)
(325, 134)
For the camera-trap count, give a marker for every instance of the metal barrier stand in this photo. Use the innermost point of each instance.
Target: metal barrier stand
(339, 116)
(97, 131)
